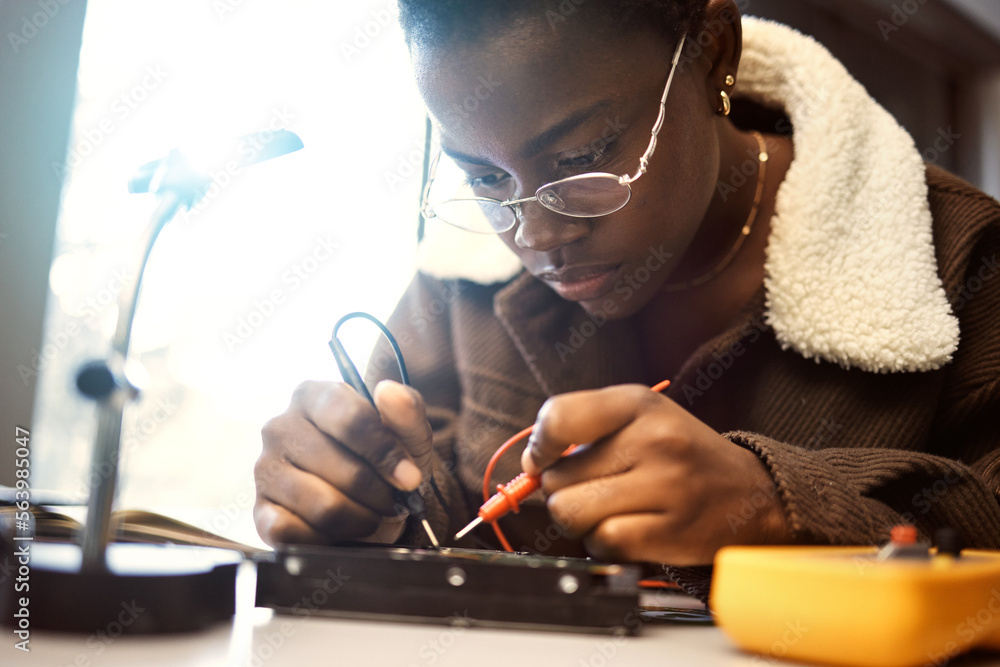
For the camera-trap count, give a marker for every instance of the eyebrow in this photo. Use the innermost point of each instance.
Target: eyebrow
(540, 142)
(543, 140)
(462, 157)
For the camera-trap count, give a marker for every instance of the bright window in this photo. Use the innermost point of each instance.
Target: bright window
(241, 294)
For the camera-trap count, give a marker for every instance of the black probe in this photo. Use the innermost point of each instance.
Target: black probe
(412, 500)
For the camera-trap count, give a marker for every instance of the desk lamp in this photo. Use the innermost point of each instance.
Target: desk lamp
(89, 587)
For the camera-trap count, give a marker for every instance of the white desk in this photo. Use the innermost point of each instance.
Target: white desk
(257, 637)
(279, 641)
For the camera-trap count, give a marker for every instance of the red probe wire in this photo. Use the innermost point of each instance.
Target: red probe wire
(508, 497)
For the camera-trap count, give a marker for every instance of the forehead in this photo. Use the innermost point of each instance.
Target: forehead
(492, 95)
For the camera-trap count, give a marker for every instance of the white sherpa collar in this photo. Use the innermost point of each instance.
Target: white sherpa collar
(851, 272)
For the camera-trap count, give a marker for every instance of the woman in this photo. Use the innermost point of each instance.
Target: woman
(782, 255)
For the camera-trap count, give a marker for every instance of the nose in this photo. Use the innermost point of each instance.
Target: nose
(543, 230)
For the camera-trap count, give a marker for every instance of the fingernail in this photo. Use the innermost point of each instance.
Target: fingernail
(407, 474)
(528, 456)
(401, 391)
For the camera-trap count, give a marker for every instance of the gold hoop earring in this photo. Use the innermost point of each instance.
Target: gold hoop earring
(726, 105)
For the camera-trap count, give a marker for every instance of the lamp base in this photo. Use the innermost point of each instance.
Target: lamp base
(146, 588)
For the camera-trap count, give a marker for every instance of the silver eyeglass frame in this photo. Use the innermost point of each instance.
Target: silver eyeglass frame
(427, 211)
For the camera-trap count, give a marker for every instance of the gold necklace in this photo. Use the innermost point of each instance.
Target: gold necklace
(744, 233)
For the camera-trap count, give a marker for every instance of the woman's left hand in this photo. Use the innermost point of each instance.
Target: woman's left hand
(654, 483)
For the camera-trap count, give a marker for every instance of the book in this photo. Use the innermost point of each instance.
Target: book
(129, 525)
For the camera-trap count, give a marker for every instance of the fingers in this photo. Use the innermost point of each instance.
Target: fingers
(579, 508)
(639, 538)
(336, 465)
(581, 417)
(276, 526)
(320, 506)
(612, 456)
(330, 463)
(403, 412)
(338, 411)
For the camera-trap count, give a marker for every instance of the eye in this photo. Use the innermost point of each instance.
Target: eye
(487, 182)
(585, 161)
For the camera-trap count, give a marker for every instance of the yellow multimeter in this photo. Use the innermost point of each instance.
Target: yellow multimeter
(858, 606)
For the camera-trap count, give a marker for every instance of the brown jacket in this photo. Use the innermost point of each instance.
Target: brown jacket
(851, 452)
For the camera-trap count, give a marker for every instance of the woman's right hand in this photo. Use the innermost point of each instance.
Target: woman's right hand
(330, 462)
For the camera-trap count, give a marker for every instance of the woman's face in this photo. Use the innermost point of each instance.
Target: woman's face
(540, 102)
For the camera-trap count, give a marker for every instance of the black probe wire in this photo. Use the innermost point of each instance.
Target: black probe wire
(353, 377)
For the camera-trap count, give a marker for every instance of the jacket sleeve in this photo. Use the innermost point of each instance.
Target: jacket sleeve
(847, 496)
(855, 496)
(421, 325)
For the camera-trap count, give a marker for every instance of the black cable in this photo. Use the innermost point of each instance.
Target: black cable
(351, 375)
(404, 376)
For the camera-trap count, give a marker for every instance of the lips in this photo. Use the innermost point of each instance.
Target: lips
(582, 283)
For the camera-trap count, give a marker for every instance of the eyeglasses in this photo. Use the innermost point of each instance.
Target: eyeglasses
(583, 196)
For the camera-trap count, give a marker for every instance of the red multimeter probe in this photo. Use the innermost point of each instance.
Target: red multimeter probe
(508, 497)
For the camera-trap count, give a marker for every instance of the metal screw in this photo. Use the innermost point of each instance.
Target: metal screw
(455, 576)
(293, 565)
(569, 584)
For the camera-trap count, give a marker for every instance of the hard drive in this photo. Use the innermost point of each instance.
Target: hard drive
(451, 586)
